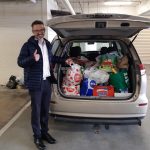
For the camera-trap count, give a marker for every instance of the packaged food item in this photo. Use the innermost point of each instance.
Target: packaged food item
(114, 70)
(103, 91)
(99, 76)
(87, 86)
(89, 64)
(74, 75)
(107, 61)
(112, 59)
(106, 66)
(71, 90)
(72, 79)
(123, 63)
(88, 71)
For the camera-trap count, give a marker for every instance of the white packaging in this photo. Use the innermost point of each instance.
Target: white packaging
(99, 76)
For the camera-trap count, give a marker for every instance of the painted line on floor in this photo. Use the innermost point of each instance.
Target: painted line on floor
(14, 118)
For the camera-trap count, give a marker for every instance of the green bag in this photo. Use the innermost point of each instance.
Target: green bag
(118, 81)
(125, 74)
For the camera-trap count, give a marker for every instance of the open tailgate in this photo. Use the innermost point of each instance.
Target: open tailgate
(112, 25)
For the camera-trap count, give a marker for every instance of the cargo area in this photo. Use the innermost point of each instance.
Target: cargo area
(102, 69)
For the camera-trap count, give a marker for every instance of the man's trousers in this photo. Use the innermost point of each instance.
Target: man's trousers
(40, 101)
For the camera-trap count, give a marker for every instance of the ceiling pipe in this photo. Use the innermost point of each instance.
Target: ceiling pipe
(81, 7)
(68, 5)
(33, 1)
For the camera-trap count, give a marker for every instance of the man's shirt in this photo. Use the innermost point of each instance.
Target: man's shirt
(46, 65)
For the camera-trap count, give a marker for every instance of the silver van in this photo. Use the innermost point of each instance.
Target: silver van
(93, 33)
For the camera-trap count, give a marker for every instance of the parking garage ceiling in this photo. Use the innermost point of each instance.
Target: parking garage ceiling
(80, 5)
(34, 1)
(84, 3)
(74, 2)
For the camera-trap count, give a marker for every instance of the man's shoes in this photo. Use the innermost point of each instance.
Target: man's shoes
(47, 137)
(39, 144)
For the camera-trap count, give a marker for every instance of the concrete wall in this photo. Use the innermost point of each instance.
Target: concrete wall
(11, 40)
(15, 21)
(143, 7)
(51, 4)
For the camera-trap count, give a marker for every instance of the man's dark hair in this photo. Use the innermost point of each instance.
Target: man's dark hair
(36, 22)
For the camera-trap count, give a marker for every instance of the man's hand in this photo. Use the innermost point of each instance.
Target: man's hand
(36, 55)
(69, 61)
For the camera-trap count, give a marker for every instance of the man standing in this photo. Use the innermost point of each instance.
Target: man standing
(35, 57)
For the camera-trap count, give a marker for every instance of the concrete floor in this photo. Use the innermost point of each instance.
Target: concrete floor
(11, 102)
(79, 136)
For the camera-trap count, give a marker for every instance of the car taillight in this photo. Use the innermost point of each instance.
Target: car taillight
(142, 69)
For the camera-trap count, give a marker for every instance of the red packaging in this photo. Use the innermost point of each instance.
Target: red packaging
(103, 91)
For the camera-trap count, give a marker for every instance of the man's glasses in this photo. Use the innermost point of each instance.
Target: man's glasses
(41, 30)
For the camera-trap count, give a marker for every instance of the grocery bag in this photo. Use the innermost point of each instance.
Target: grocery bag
(87, 86)
(118, 81)
(72, 79)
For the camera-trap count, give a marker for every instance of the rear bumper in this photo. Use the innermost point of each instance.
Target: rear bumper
(101, 121)
(131, 108)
